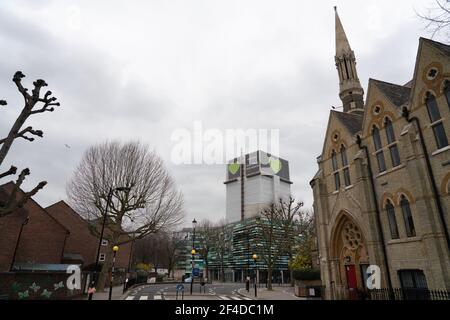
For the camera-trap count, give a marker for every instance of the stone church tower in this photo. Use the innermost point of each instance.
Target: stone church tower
(351, 92)
(382, 189)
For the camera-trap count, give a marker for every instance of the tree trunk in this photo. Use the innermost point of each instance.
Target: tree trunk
(222, 272)
(291, 276)
(105, 270)
(269, 278)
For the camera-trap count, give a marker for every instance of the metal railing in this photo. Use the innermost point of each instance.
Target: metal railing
(408, 294)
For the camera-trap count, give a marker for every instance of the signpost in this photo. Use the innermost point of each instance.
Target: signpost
(196, 272)
(180, 288)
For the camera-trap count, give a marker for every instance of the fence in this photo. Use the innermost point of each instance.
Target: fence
(408, 294)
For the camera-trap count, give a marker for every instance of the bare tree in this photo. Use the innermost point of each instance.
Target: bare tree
(438, 18)
(296, 227)
(174, 247)
(207, 237)
(148, 204)
(269, 245)
(281, 228)
(34, 103)
(222, 245)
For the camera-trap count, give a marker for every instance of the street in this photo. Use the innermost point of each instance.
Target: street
(166, 291)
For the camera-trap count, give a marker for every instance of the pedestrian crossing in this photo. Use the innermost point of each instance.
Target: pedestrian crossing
(145, 297)
(234, 298)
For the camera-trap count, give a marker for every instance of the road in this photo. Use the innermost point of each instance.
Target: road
(215, 291)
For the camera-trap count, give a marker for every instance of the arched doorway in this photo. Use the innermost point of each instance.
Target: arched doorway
(351, 258)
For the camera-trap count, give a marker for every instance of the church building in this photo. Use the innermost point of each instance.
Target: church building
(382, 190)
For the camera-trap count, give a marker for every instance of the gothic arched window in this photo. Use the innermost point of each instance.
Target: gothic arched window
(345, 166)
(436, 121)
(407, 217)
(447, 91)
(337, 180)
(390, 211)
(393, 148)
(378, 149)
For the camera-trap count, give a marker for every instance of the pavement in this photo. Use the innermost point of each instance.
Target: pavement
(278, 293)
(215, 291)
(117, 294)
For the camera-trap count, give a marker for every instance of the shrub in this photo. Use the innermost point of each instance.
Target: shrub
(306, 274)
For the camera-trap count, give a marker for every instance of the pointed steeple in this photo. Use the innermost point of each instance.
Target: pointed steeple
(342, 44)
(351, 91)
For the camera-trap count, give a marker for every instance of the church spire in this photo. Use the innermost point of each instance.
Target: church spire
(351, 91)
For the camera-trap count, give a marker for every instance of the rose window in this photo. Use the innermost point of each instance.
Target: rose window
(352, 236)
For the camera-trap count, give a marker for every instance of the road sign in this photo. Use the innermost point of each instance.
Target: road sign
(180, 287)
(196, 272)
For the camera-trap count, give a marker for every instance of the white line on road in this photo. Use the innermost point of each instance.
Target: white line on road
(129, 298)
(224, 298)
(246, 298)
(158, 297)
(143, 298)
(235, 298)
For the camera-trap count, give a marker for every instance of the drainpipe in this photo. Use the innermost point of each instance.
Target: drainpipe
(405, 114)
(378, 216)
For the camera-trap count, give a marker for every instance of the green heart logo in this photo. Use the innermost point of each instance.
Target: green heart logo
(233, 168)
(275, 165)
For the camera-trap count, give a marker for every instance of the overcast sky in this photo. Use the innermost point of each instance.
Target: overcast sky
(142, 69)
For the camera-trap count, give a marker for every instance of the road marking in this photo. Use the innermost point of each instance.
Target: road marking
(224, 298)
(129, 298)
(158, 297)
(235, 298)
(246, 298)
(143, 298)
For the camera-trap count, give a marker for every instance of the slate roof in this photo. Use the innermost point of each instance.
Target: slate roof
(352, 121)
(399, 95)
(443, 47)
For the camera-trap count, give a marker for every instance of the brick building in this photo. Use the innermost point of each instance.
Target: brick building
(382, 191)
(54, 235)
(43, 237)
(81, 245)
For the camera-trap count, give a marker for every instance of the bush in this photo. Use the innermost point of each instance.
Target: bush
(306, 274)
(144, 267)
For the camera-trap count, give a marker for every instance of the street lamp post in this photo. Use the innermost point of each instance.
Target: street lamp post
(247, 280)
(24, 223)
(127, 277)
(111, 277)
(255, 257)
(108, 200)
(194, 224)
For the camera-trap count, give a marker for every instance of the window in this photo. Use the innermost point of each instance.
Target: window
(378, 149)
(393, 149)
(337, 180)
(104, 242)
(414, 285)
(407, 217)
(392, 220)
(436, 121)
(447, 92)
(102, 257)
(346, 166)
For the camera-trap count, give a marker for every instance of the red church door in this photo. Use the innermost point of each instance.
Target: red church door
(351, 281)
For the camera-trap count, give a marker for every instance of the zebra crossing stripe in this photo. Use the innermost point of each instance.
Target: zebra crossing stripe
(224, 298)
(143, 298)
(235, 298)
(157, 297)
(129, 298)
(246, 298)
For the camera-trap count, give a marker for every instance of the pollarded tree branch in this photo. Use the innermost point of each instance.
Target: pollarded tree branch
(11, 171)
(31, 101)
(13, 202)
